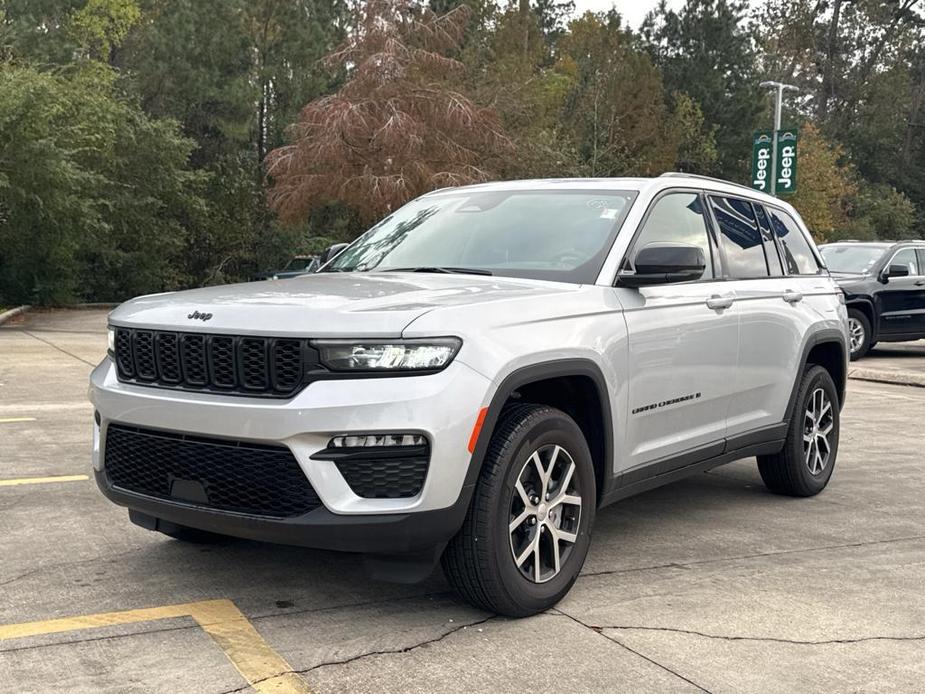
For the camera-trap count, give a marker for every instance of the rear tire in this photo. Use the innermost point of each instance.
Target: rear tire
(537, 454)
(859, 333)
(805, 464)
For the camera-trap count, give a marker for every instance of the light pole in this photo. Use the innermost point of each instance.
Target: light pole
(781, 88)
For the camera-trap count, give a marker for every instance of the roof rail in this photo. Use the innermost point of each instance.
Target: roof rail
(679, 174)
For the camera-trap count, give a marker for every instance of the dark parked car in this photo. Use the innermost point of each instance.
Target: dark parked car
(884, 285)
(299, 265)
(303, 264)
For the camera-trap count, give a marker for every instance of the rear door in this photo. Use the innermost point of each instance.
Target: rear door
(772, 315)
(683, 344)
(902, 299)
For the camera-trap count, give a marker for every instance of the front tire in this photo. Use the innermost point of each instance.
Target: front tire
(859, 334)
(528, 528)
(805, 464)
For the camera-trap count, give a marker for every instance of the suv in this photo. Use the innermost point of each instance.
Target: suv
(478, 374)
(884, 284)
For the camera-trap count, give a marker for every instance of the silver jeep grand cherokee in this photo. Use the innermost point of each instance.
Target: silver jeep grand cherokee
(477, 374)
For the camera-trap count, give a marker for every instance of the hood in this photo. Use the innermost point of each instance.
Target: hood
(853, 284)
(322, 305)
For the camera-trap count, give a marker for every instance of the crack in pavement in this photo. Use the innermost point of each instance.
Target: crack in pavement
(764, 639)
(612, 639)
(95, 333)
(369, 654)
(60, 349)
(108, 637)
(101, 558)
(758, 555)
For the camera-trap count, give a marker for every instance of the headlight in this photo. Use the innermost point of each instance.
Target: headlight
(111, 337)
(387, 355)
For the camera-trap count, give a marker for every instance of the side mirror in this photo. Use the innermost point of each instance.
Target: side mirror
(331, 252)
(664, 263)
(896, 271)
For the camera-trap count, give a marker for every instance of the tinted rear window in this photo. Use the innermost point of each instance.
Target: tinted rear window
(740, 237)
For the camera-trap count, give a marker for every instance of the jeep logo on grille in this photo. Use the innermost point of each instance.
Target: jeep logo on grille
(195, 315)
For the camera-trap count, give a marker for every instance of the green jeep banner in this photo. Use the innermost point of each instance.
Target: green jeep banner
(786, 169)
(787, 161)
(761, 160)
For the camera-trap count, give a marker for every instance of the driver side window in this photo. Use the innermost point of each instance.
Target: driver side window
(907, 259)
(678, 218)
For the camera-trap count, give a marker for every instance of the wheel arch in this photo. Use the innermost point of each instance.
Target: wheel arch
(825, 348)
(575, 386)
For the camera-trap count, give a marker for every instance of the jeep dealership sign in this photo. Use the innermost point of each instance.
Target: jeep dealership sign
(785, 170)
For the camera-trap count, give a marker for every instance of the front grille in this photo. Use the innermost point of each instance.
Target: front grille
(233, 365)
(225, 475)
(381, 473)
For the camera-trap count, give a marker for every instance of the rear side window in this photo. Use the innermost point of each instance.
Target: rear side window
(798, 256)
(922, 260)
(741, 238)
(775, 265)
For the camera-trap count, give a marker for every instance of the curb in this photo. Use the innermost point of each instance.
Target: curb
(898, 378)
(12, 313)
(90, 306)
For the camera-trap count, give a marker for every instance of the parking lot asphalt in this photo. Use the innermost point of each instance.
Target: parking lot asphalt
(710, 584)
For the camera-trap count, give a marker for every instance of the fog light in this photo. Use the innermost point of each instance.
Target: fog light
(376, 440)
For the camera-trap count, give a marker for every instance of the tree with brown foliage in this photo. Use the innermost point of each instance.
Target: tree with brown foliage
(396, 128)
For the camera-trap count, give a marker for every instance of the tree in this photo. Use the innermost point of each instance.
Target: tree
(617, 111)
(882, 212)
(860, 67)
(827, 185)
(705, 50)
(97, 194)
(396, 128)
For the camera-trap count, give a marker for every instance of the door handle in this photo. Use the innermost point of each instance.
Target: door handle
(717, 302)
(920, 283)
(792, 297)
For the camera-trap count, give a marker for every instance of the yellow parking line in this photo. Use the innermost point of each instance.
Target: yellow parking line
(231, 631)
(43, 480)
(13, 420)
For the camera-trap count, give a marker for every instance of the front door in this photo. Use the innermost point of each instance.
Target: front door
(902, 299)
(683, 345)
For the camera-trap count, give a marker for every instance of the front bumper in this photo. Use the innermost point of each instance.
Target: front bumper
(386, 533)
(443, 407)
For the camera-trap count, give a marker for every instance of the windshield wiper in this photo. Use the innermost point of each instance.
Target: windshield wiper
(441, 269)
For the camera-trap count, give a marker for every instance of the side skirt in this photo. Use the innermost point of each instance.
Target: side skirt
(764, 441)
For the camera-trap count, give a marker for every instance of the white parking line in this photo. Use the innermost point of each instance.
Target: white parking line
(43, 480)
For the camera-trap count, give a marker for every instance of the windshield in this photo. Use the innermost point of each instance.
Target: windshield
(854, 259)
(552, 235)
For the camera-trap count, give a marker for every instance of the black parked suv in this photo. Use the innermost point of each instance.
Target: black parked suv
(884, 285)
